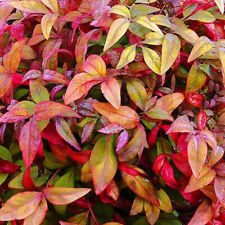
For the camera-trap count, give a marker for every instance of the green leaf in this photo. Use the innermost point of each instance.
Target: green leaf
(103, 163)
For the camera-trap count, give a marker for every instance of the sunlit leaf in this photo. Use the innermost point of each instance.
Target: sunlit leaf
(137, 92)
(103, 163)
(12, 59)
(202, 16)
(5, 83)
(117, 30)
(205, 177)
(152, 59)
(47, 23)
(197, 152)
(51, 4)
(164, 201)
(30, 6)
(120, 10)
(62, 195)
(202, 46)
(137, 206)
(142, 10)
(219, 186)
(220, 4)
(20, 206)
(170, 50)
(38, 215)
(127, 56)
(152, 212)
(196, 79)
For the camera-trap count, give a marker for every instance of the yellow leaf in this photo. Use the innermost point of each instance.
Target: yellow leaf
(170, 50)
(30, 6)
(222, 59)
(120, 10)
(152, 212)
(137, 206)
(152, 59)
(142, 10)
(202, 46)
(38, 92)
(202, 16)
(196, 79)
(153, 38)
(127, 56)
(116, 31)
(47, 22)
(144, 21)
(220, 4)
(164, 201)
(5, 83)
(160, 20)
(28, 53)
(51, 4)
(137, 92)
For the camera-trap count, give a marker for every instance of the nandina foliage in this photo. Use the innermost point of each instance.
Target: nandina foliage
(112, 112)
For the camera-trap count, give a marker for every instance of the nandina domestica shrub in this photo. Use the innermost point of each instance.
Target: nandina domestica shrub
(112, 112)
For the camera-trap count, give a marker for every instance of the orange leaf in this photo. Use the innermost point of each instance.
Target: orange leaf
(95, 66)
(30, 142)
(12, 59)
(169, 102)
(49, 109)
(51, 4)
(205, 177)
(20, 206)
(152, 213)
(219, 186)
(197, 153)
(111, 90)
(5, 84)
(79, 86)
(38, 215)
(62, 196)
(124, 116)
(203, 214)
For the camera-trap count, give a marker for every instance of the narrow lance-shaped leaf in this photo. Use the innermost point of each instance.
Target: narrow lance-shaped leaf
(196, 79)
(152, 212)
(30, 142)
(202, 16)
(79, 86)
(47, 23)
(219, 186)
(38, 215)
(120, 10)
(65, 132)
(197, 152)
(30, 6)
(170, 50)
(137, 206)
(220, 4)
(137, 92)
(63, 196)
(103, 163)
(203, 214)
(141, 186)
(152, 59)
(12, 59)
(164, 201)
(117, 30)
(124, 116)
(38, 92)
(111, 90)
(205, 177)
(5, 84)
(51, 4)
(127, 56)
(202, 46)
(20, 206)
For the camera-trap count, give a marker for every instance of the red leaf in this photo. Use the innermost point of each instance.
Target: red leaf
(152, 136)
(128, 169)
(158, 163)
(30, 142)
(7, 167)
(122, 140)
(27, 180)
